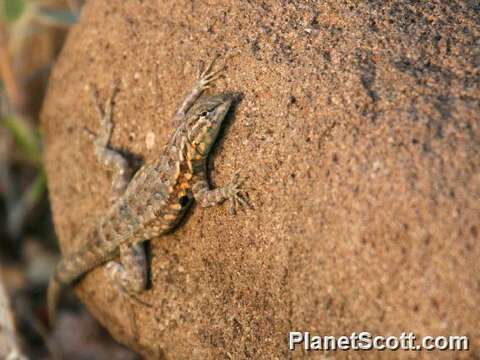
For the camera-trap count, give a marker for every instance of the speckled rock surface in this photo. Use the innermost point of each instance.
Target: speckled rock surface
(359, 134)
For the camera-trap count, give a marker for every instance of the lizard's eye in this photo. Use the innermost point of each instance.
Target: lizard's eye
(204, 114)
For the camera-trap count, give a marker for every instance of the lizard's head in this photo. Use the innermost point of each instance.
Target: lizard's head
(204, 121)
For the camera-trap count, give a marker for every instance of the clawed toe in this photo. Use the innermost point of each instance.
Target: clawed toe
(238, 196)
(208, 75)
(239, 200)
(204, 72)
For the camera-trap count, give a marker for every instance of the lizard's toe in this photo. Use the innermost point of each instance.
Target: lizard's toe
(237, 195)
(207, 76)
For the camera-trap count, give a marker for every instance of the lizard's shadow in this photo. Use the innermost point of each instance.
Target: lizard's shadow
(135, 161)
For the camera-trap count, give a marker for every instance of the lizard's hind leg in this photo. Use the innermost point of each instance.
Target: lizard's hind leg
(131, 274)
(105, 155)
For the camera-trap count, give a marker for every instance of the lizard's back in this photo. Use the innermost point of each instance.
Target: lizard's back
(150, 205)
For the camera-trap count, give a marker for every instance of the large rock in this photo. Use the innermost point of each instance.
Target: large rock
(359, 132)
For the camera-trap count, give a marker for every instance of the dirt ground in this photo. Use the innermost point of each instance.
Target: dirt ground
(359, 137)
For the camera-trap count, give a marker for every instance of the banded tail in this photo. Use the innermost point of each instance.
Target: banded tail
(71, 268)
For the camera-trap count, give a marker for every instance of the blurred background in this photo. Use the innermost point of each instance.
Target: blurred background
(31, 37)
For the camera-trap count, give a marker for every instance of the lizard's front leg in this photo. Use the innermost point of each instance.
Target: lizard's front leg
(207, 197)
(130, 275)
(205, 78)
(105, 155)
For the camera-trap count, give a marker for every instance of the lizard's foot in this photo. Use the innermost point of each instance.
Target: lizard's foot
(105, 112)
(234, 192)
(130, 279)
(208, 75)
(206, 197)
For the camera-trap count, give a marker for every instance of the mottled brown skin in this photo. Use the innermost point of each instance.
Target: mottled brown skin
(156, 198)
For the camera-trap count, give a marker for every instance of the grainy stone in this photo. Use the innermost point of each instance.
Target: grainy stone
(359, 131)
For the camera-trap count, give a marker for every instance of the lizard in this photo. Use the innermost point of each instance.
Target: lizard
(151, 202)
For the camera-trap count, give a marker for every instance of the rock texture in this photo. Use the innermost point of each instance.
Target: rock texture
(359, 132)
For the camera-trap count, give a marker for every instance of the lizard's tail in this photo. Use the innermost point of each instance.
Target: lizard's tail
(53, 295)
